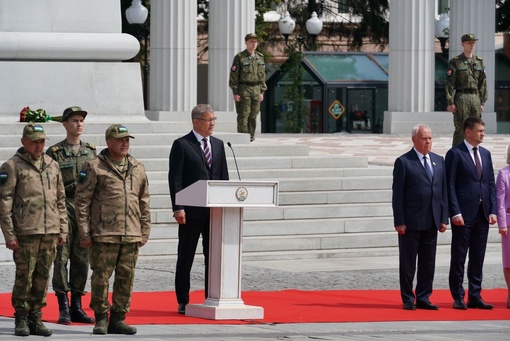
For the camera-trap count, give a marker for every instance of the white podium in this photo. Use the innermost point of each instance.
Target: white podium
(227, 200)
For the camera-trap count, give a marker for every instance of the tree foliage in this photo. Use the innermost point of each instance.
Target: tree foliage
(503, 16)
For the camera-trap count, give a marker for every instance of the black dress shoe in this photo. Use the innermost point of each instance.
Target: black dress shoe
(426, 305)
(182, 308)
(478, 303)
(409, 306)
(459, 304)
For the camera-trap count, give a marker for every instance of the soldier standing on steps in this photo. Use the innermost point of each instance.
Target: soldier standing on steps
(33, 218)
(71, 154)
(113, 215)
(466, 86)
(248, 83)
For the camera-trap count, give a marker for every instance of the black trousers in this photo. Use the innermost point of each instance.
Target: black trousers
(189, 235)
(471, 238)
(421, 245)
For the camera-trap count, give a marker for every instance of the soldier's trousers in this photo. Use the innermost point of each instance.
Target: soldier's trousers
(33, 258)
(104, 259)
(75, 279)
(247, 110)
(467, 105)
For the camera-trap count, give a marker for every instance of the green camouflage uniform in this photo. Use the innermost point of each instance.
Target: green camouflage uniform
(248, 80)
(33, 212)
(112, 208)
(466, 87)
(71, 164)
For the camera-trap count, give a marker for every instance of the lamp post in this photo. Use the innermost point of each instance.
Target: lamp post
(442, 31)
(137, 14)
(286, 25)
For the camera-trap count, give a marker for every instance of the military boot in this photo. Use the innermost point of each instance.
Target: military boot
(118, 326)
(36, 326)
(21, 324)
(101, 326)
(76, 312)
(63, 307)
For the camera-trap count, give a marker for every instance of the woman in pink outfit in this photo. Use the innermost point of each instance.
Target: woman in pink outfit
(503, 206)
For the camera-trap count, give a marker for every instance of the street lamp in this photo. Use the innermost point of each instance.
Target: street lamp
(286, 25)
(137, 14)
(442, 31)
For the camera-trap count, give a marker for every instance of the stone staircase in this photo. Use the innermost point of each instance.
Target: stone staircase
(329, 206)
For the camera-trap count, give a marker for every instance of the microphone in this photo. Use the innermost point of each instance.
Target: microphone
(235, 160)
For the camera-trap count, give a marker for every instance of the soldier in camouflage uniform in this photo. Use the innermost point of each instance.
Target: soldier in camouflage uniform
(113, 215)
(71, 154)
(34, 220)
(248, 83)
(466, 86)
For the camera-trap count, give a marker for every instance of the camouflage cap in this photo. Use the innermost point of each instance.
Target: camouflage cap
(250, 36)
(117, 131)
(73, 111)
(34, 132)
(468, 37)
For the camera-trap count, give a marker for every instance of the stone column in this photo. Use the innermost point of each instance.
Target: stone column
(173, 72)
(411, 69)
(59, 53)
(229, 22)
(477, 17)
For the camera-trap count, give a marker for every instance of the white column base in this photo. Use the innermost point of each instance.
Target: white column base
(225, 309)
(441, 122)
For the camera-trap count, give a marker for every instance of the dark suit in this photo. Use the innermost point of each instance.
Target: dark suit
(188, 165)
(475, 199)
(421, 205)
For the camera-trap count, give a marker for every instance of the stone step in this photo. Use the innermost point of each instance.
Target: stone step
(309, 184)
(162, 201)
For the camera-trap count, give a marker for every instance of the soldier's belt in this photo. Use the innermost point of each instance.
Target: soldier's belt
(249, 83)
(467, 91)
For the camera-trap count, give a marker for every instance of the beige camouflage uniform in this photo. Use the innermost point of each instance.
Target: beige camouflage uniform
(112, 208)
(33, 212)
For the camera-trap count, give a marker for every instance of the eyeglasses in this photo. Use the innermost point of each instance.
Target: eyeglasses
(208, 120)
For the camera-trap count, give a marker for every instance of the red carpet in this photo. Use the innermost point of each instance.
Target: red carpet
(296, 306)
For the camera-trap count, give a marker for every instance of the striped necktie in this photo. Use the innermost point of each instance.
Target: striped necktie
(207, 153)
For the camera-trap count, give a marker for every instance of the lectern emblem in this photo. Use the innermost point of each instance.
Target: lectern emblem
(241, 194)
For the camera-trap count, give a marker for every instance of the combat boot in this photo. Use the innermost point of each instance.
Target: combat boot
(36, 326)
(76, 312)
(118, 326)
(101, 326)
(21, 324)
(63, 307)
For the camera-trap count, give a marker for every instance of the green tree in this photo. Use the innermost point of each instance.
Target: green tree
(503, 16)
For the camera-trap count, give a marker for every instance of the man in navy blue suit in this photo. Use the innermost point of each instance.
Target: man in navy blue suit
(195, 156)
(472, 204)
(420, 209)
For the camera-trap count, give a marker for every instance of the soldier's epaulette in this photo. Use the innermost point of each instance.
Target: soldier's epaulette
(55, 149)
(259, 53)
(479, 58)
(90, 145)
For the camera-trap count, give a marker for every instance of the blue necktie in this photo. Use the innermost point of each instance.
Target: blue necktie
(427, 168)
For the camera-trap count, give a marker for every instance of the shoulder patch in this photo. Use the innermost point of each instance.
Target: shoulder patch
(449, 72)
(3, 178)
(233, 68)
(82, 176)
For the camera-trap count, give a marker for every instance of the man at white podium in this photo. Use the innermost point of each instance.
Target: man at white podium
(195, 156)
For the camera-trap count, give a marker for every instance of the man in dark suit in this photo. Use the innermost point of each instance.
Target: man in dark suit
(420, 209)
(472, 204)
(195, 156)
